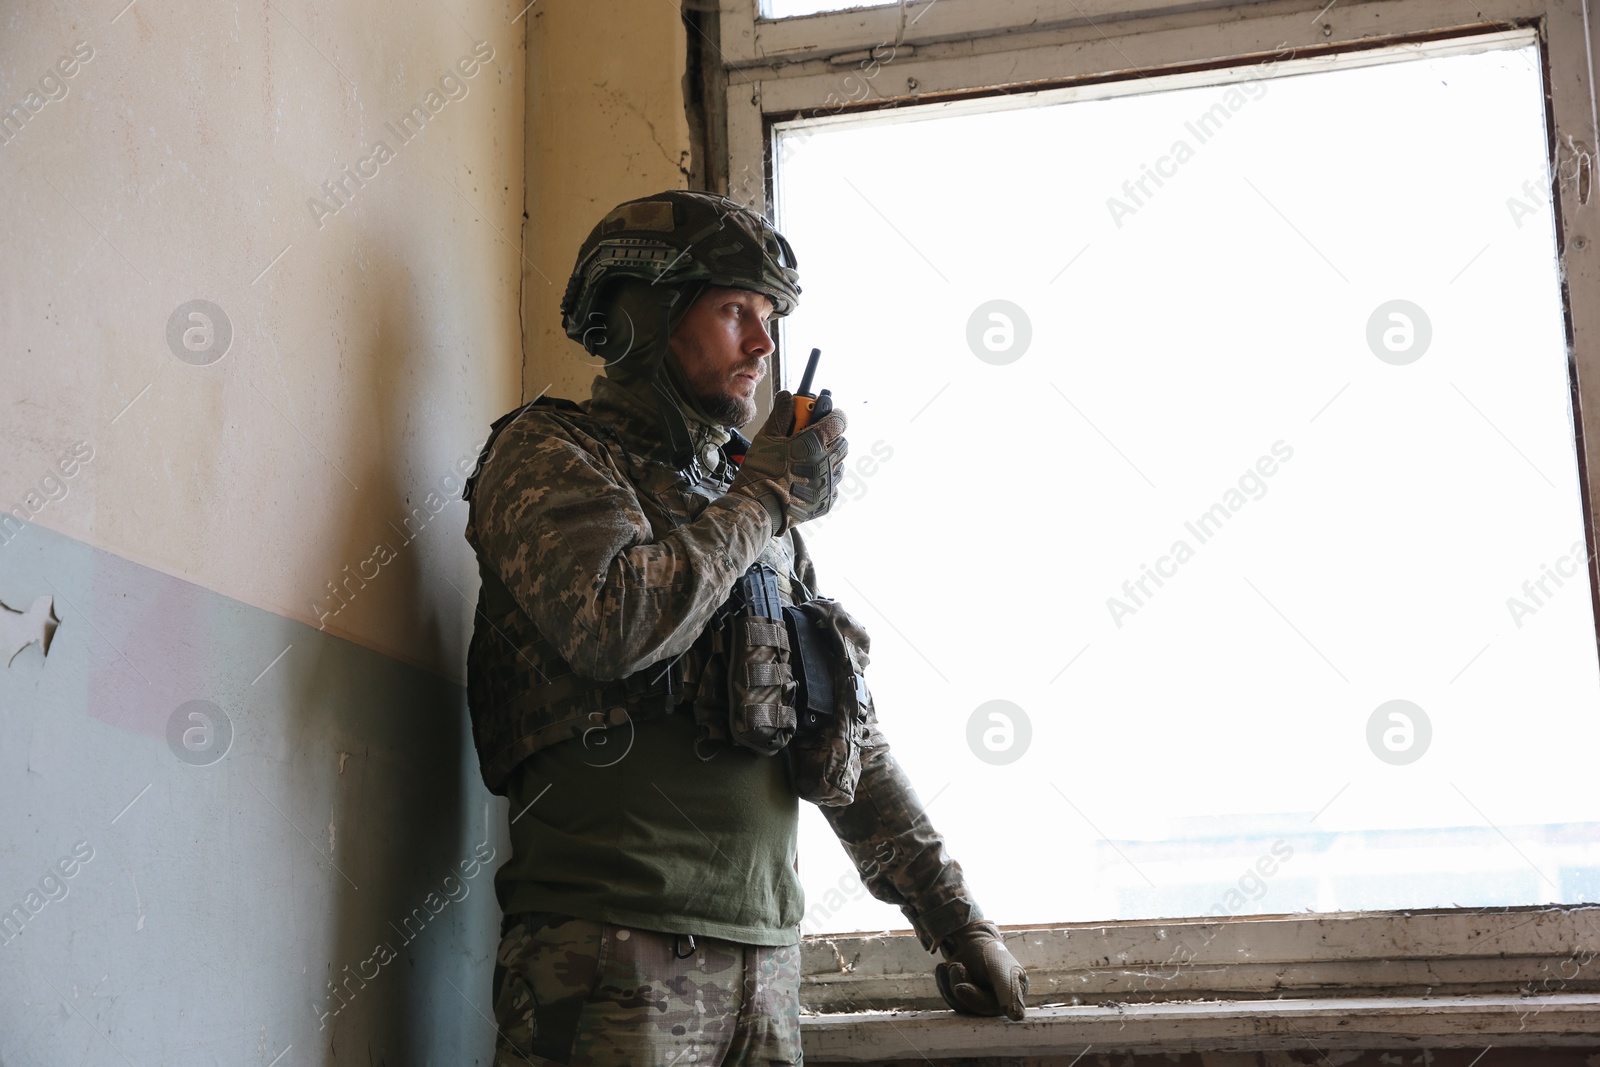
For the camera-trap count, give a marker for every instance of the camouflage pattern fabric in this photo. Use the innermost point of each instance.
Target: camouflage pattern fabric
(761, 685)
(598, 563)
(673, 238)
(609, 564)
(606, 543)
(593, 994)
(900, 856)
(617, 576)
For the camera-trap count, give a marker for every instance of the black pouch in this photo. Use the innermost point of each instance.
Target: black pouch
(834, 715)
(811, 658)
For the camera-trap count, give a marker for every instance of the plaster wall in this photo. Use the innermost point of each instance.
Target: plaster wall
(255, 509)
(316, 886)
(606, 123)
(374, 330)
(204, 501)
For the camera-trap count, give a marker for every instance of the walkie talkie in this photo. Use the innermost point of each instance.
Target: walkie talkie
(805, 402)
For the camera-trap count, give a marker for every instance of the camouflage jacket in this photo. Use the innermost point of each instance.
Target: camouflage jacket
(602, 564)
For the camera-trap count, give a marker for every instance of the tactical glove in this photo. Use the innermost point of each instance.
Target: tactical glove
(982, 977)
(795, 476)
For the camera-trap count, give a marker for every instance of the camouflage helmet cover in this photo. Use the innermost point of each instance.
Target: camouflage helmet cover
(674, 238)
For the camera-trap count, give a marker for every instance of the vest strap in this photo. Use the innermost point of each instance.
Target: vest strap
(775, 634)
(764, 674)
(769, 716)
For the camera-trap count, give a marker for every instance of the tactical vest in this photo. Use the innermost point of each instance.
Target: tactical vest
(523, 695)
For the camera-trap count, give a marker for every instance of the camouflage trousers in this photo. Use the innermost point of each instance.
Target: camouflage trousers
(593, 994)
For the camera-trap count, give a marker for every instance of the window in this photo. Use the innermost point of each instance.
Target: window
(1244, 278)
(783, 9)
(1229, 448)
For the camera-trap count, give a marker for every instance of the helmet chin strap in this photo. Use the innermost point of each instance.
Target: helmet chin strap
(706, 435)
(671, 371)
(649, 369)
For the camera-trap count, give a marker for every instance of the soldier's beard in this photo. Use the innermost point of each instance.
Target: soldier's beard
(727, 408)
(714, 397)
(720, 401)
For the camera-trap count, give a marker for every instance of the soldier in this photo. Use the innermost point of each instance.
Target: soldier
(648, 622)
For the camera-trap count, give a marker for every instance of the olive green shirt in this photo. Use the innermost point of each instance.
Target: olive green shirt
(639, 831)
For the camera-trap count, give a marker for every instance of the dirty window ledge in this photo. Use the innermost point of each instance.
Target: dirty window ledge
(1440, 978)
(1345, 1023)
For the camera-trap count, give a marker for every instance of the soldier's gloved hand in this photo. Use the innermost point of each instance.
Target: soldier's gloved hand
(982, 977)
(795, 476)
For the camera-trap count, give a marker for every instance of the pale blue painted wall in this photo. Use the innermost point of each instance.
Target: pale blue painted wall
(207, 924)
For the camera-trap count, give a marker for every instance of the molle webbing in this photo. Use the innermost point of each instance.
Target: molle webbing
(522, 693)
(760, 684)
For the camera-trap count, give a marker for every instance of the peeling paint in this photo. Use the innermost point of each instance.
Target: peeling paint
(19, 629)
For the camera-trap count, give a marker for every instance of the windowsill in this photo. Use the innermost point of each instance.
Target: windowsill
(1566, 1019)
(1445, 978)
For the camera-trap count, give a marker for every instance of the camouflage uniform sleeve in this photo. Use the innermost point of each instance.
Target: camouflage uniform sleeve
(804, 569)
(566, 533)
(901, 857)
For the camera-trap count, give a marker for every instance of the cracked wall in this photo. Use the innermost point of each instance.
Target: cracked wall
(606, 123)
(259, 300)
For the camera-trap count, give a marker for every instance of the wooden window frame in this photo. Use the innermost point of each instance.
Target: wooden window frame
(1444, 978)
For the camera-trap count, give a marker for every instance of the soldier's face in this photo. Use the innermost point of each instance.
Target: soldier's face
(722, 345)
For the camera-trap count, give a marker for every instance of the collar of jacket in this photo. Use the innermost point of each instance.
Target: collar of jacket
(650, 422)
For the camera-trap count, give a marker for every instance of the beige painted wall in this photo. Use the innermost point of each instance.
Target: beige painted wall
(606, 123)
(373, 339)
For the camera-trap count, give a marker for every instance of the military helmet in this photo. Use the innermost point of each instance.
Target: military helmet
(674, 238)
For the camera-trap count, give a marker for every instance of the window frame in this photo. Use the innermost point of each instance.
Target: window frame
(814, 66)
(1440, 978)
(944, 50)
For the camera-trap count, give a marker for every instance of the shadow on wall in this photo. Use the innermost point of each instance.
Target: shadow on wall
(305, 865)
(409, 817)
(281, 838)
(277, 837)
